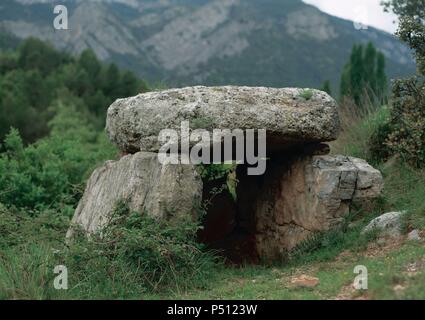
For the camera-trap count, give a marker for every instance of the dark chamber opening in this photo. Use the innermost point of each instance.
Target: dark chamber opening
(225, 226)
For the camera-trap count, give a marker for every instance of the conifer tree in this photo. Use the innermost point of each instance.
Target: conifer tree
(327, 87)
(370, 69)
(381, 78)
(364, 75)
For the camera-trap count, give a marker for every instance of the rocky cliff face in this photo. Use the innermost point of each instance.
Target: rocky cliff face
(186, 42)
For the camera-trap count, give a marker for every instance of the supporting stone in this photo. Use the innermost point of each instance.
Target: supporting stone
(161, 191)
(301, 195)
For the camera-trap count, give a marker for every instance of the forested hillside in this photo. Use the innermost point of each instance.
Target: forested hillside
(36, 78)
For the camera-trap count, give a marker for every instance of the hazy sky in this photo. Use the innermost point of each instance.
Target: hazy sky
(368, 12)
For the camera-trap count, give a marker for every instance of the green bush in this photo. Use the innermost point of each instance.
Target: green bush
(157, 255)
(404, 133)
(51, 173)
(134, 255)
(211, 172)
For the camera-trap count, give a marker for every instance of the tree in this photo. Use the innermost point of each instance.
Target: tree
(412, 26)
(34, 75)
(130, 85)
(357, 73)
(381, 78)
(89, 62)
(35, 54)
(327, 87)
(345, 89)
(364, 75)
(404, 133)
(370, 72)
(110, 86)
(17, 106)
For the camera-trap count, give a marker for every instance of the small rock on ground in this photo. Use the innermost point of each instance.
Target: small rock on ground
(305, 281)
(414, 235)
(389, 224)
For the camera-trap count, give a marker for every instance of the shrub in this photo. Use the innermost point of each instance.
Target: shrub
(132, 256)
(51, 172)
(306, 94)
(157, 255)
(21, 227)
(211, 172)
(404, 133)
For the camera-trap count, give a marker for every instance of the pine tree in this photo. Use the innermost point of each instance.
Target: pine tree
(381, 78)
(327, 87)
(364, 74)
(89, 62)
(111, 81)
(357, 73)
(345, 86)
(370, 72)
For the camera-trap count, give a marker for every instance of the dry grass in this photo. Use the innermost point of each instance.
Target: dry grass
(357, 127)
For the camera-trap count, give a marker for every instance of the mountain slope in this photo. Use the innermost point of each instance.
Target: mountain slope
(185, 42)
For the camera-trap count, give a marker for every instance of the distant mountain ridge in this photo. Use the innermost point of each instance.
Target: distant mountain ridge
(185, 42)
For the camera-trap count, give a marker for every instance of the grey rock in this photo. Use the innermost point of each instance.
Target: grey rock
(291, 116)
(388, 224)
(414, 235)
(161, 191)
(369, 181)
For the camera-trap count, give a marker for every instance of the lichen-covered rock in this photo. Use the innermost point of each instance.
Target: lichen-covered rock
(291, 116)
(302, 195)
(414, 235)
(145, 185)
(388, 224)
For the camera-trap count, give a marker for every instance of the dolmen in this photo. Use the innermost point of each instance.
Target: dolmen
(288, 187)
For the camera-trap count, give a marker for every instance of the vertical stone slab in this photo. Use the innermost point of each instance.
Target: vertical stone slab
(147, 186)
(301, 195)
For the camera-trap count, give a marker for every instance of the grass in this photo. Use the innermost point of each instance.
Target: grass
(358, 126)
(135, 256)
(336, 276)
(307, 94)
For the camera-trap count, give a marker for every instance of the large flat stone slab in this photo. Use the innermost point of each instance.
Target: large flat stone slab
(290, 116)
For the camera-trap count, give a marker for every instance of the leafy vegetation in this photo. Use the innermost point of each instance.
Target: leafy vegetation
(133, 256)
(411, 29)
(41, 183)
(35, 76)
(364, 75)
(404, 133)
(306, 94)
(51, 172)
(327, 87)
